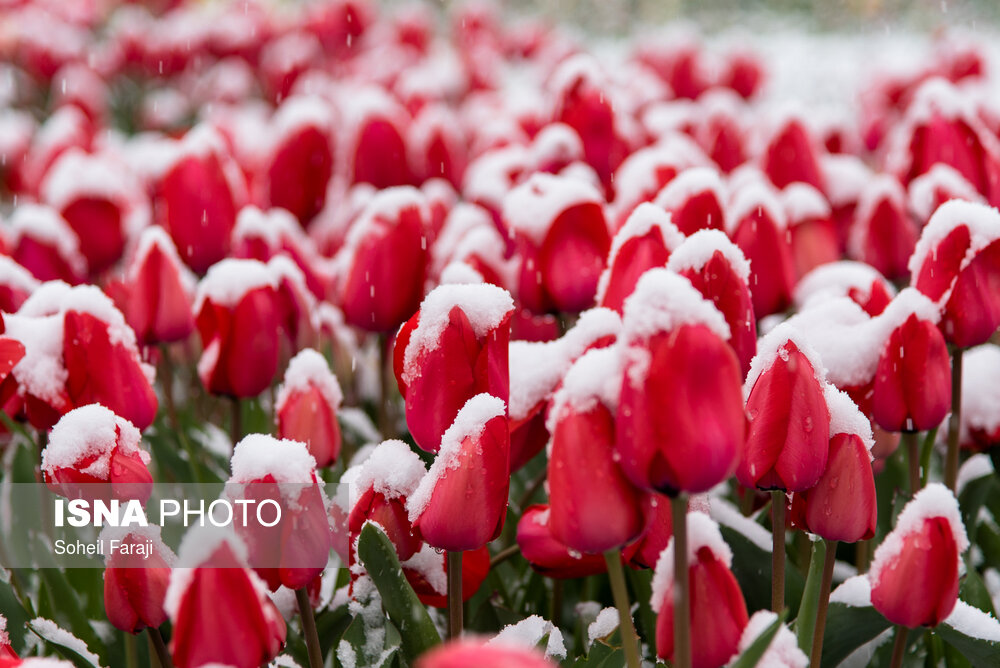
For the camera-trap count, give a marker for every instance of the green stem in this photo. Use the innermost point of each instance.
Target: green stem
(454, 595)
(824, 602)
(955, 423)
(778, 550)
(504, 554)
(925, 455)
(159, 647)
(618, 590)
(899, 647)
(386, 419)
(309, 628)
(131, 651)
(236, 421)
(682, 583)
(908, 441)
(555, 615)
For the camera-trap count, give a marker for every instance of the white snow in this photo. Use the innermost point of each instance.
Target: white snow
(605, 624)
(772, 345)
(699, 248)
(229, 280)
(845, 176)
(15, 276)
(53, 633)
(271, 226)
(855, 592)
(835, 279)
(982, 221)
(783, 651)
(727, 515)
(594, 377)
(530, 631)
(156, 237)
(690, 182)
(534, 205)
(392, 469)
(980, 388)
(702, 532)
(309, 369)
(803, 202)
(44, 224)
(384, 208)
(942, 178)
(846, 417)
(755, 197)
(977, 466)
(932, 501)
(484, 305)
(459, 273)
(643, 219)
(75, 174)
(260, 455)
(90, 431)
(298, 112)
(430, 564)
(973, 622)
(469, 424)
(663, 301)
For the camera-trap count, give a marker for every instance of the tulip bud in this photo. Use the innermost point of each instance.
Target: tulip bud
(644, 242)
(136, 586)
(196, 198)
(216, 578)
(306, 407)
(957, 263)
(980, 427)
(680, 415)
(464, 653)
(44, 244)
(64, 129)
(914, 574)
(160, 290)
(883, 234)
(912, 390)
(648, 170)
(437, 145)
(718, 611)
(454, 348)
(792, 156)
(376, 148)
(810, 222)
(300, 160)
(789, 436)
(759, 228)
(294, 551)
(936, 186)
(383, 482)
(594, 508)
(238, 320)
(842, 505)
(559, 226)
(717, 269)
(695, 199)
(546, 554)
(93, 446)
(721, 132)
(427, 573)
(460, 504)
(384, 261)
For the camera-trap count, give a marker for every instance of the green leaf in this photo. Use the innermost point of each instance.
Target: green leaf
(401, 603)
(752, 568)
(972, 497)
(601, 655)
(642, 586)
(756, 650)
(849, 627)
(805, 622)
(69, 646)
(979, 652)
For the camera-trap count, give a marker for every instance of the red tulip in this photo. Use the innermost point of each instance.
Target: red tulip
(196, 198)
(16, 284)
(44, 244)
(744, 73)
(758, 227)
(558, 223)
(936, 186)
(64, 129)
(160, 291)
(546, 554)
(678, 62)
(789, 436)
(376, 147)
(656, 533)
(856, 280)
(792, 156)
(97, 198)
(957, 263)
(300, 159)
(883, 234)
(717, 269)
(437, 145)
(215, 577)
(135, 586)
(594, 508)
(644, 174)
(383, 482)
(306, 407)
(914, 574)
(644, 242)
(913, 383)
(695, 199)
(427, 573)
(454, 348)
(384, 261)
(464, 653)
(842, 505)
(718, 611)
(461, 502)
(294, 551)
(93, 453)
(980, 427)
(721, 130)
(238, 320)
(680, 416)
(814, 237)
